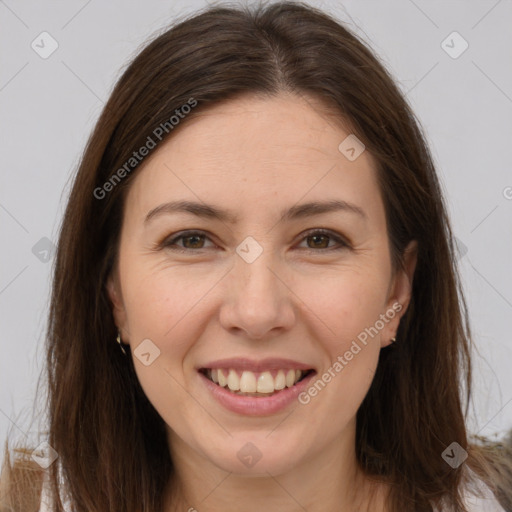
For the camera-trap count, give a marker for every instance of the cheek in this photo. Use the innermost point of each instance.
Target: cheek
(346, 302)
(161, 303)
(165, 307)
(350, 308)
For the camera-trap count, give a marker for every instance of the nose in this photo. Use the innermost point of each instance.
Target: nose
(259, 301)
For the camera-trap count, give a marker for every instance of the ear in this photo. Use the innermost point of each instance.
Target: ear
(400, 293)
(118, 309)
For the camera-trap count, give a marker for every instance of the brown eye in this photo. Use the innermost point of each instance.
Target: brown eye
(316, 240)
(320, 239)
(195, 241)
(192, 240)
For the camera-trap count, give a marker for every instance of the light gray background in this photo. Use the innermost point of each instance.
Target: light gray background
(48, 108)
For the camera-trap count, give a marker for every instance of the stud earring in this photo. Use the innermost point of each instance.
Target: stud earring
(118, 339)
(393, 340)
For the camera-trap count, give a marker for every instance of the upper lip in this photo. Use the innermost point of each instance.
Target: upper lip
(262, 365)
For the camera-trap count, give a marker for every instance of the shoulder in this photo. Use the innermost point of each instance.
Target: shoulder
(479, 498)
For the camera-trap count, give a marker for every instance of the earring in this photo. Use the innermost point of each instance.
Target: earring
(118, 339)
(393, 340)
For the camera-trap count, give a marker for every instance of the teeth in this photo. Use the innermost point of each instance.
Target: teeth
(280, 382)
(290, 378)
(233, 381)
(247, 382)
(250, 382)
(222, 379)
(265, 383)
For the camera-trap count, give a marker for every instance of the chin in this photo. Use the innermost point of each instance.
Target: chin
(256, 455)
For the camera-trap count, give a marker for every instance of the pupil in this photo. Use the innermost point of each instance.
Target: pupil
(316, 237)
(197, 237)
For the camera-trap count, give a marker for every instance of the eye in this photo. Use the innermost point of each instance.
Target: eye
(321, 236)
(194, 240)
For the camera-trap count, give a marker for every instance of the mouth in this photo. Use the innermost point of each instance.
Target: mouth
(255, 384)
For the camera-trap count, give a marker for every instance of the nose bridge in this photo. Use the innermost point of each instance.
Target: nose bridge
(258, 300)
(253, 271)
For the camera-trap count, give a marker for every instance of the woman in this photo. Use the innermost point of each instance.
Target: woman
(257, 223)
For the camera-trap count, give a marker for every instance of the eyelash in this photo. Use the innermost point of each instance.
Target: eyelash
(169, 243)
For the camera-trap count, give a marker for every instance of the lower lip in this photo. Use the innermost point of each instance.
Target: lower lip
(257, 406)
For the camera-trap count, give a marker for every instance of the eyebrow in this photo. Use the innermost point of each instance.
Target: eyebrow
(295, 212)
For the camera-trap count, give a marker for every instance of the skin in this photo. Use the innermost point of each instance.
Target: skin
(299, 299)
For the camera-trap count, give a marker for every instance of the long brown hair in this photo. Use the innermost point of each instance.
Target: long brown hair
(111, 442)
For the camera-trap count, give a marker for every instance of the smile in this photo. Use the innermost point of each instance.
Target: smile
(255, 384)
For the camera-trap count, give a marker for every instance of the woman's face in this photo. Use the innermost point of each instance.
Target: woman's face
(257, 284)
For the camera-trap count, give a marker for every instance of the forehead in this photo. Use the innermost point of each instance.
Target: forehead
(257, 154)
